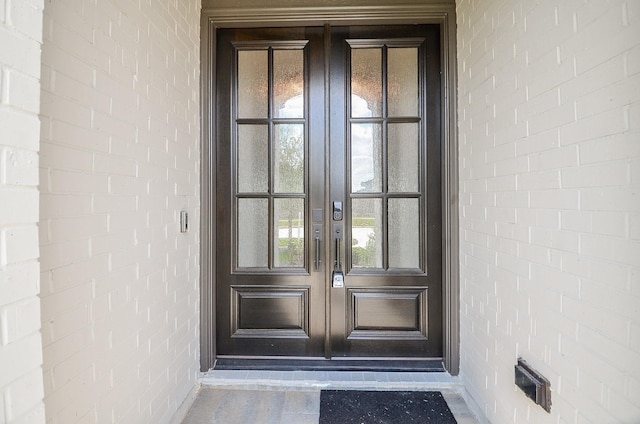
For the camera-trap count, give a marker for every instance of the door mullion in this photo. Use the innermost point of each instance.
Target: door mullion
(271, 220)
(385, 161)
(385, 232)
(270, 192)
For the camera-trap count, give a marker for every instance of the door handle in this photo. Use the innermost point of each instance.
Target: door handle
(317, 229)
(317, 261)
(337, 276)
(337, 231)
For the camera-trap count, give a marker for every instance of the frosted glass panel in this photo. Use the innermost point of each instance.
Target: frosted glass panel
(288, 83)
(366, 233)
(404, 157)
(404, 233)
(402, 71)
(253, 233)
(289, 158)
(366, 158)
(253, 84)
(366, 82)
(289, 240)
(253, 158)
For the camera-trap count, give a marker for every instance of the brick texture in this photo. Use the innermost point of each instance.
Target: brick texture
(119, 161)
(21, 382)
(549, 135)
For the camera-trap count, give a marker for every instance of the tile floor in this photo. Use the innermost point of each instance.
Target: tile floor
(293, 397)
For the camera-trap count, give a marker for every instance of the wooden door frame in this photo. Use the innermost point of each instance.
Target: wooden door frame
(442, 14)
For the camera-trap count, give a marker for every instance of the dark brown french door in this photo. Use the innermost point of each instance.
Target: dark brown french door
(329, 239)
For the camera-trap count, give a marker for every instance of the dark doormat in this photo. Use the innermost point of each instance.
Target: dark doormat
(372, 407)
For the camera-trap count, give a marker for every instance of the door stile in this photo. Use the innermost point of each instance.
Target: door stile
(337, 99)
(326, 53)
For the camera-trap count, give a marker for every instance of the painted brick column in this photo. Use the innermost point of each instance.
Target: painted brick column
(21, 385)
(119, 161)
(549, 124)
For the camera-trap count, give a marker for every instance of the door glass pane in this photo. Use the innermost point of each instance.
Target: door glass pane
(402, 72)
(403, 157)
(289, 229)
(288, 84)
(289, 158)
(366, 83)
(253, 83)
(366, 233)
(404, 233)
(366, 158)
(253, 233)
(253, 158)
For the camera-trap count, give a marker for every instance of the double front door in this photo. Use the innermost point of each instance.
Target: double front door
(328, 226)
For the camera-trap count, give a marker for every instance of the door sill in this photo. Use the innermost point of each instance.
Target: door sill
(288, 364)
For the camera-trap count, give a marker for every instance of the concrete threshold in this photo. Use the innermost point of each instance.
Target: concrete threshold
(304, 380)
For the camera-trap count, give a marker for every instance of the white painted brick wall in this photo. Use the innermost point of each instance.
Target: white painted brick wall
(549, 131)
(21, 383)
(119, 161)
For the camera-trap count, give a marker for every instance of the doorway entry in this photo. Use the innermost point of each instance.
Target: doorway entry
(328, 175)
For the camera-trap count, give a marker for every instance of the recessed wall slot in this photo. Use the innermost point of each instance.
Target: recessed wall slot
(533, 384)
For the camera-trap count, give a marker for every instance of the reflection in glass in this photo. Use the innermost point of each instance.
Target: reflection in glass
(253, 158)
(288, 84)
(404, 233)
(402, 73)
(403, 157)
(366, 233)
(289, 230)
(289, 158)
(366, 158)
(366, 82)
(253, 233)
(253, 83)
